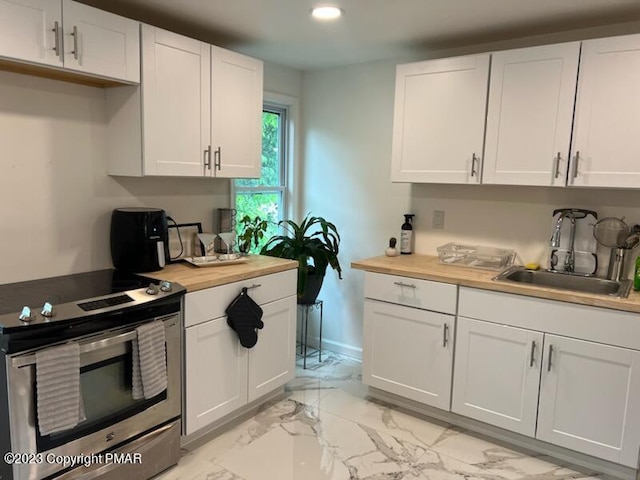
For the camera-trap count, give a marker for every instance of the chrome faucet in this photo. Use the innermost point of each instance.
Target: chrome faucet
(555, 237)
(570, 258)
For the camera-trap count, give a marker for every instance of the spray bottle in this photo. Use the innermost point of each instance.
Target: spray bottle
(406, 235)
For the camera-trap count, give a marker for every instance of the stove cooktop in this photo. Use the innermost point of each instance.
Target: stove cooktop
(79, 295)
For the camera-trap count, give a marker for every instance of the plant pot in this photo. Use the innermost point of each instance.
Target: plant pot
(311, 289)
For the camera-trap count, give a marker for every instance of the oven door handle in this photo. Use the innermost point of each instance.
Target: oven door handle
(25, 360)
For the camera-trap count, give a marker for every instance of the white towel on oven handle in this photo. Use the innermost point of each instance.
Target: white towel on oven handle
(149, 376)
(58, 394)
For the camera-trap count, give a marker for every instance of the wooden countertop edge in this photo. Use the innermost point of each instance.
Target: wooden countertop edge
(199, 278)
(457, 277)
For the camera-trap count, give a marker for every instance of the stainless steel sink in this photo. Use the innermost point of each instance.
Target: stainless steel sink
(566, 281)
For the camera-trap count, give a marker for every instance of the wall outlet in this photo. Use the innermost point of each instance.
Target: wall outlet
(438, 219)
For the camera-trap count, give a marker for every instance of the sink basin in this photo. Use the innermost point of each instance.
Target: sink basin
(566, 281)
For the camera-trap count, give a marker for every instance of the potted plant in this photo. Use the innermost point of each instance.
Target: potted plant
(251, 233)
(314, 244)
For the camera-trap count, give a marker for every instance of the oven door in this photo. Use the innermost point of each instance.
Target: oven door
(112, 415)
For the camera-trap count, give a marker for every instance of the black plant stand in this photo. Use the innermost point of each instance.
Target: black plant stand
(305, 308)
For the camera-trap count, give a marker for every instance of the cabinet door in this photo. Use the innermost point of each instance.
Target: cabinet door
(27, 30)
(529, 116)
(272, 361)
(100, 42)
(408, 352)
(590, 399)
(605, 146)
(439, 119)
(497, 374)
(176, 85)
(236, 114)
(215, 373)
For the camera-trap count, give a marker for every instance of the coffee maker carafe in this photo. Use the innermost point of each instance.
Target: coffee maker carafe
(139, 239)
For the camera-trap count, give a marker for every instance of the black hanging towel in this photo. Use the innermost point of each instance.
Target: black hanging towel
(244, 316)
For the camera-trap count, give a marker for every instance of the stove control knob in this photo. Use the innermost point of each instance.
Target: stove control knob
(152, 289)
(25, 315)
(166, 286)
(47, 310)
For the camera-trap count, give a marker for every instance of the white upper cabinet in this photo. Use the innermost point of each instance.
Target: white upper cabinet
(529, 116)
(100, 42)
(28, 31)
(236, 114)
(439, 120)
(605, 148)
(89, 40)
(176, 95)
(199, 110)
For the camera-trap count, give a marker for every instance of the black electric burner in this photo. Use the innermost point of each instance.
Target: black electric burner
(77, 298)
(69, 288)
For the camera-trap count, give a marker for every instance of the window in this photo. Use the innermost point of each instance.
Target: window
(265, 197)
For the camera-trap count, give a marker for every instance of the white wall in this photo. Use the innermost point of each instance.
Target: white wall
(55, 194)
(348, 123)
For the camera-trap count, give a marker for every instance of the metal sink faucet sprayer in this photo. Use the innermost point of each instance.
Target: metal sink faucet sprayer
(555, 237)
(569, 259)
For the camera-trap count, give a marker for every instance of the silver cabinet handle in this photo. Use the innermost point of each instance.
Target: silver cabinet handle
(473, 165)
(408, 285)
(550, 355)
(74, 34)
(56, 40)
(533, 353)
(556, 167)
(254, 286)
(575, 164)
(207, 158)
(445, 335)
(217, 158)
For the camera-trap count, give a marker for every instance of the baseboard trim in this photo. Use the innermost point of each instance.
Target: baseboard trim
(508, 439)
(337, 347)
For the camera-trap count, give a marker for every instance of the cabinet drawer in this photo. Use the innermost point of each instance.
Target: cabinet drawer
(425, 294)
(212, 302)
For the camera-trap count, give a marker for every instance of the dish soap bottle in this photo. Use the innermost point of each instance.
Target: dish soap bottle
(406, 235)
(636, 276)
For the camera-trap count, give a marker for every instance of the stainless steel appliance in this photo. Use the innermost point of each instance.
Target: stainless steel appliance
(139, 239)
(99, 311)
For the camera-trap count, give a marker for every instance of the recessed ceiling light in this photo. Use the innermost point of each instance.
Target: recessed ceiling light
(326, 13)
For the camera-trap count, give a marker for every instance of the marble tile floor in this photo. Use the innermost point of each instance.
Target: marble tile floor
(326, 429)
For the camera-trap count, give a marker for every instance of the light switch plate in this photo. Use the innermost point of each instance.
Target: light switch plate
(438, 219)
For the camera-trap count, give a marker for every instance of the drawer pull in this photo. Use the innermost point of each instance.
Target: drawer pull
(255, 285)
(445, 335)
(408, 285)
(533, 353)
(550, 355)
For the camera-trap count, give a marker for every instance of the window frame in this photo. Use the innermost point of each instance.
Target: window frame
(287, 107)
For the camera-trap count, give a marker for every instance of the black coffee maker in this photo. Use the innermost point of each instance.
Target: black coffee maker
(139, 239)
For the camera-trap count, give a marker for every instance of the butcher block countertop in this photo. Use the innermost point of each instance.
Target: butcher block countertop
(198, 278)
(427, 267)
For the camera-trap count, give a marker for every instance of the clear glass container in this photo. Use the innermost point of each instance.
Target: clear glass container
(476, 256)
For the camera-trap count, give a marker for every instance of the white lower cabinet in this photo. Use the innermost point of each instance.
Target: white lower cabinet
(409, 352)
(550, 372)
(221, 375)
(589, 399)
(408, 335)
(497, 374)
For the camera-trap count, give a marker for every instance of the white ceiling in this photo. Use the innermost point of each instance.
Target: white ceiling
(283, 32)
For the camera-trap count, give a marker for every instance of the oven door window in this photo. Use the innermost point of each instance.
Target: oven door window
(107, 395)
